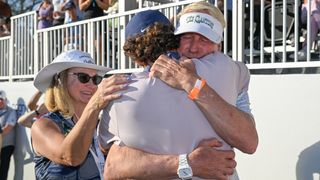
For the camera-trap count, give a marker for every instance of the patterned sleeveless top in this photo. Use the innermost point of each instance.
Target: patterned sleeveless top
(46, 169)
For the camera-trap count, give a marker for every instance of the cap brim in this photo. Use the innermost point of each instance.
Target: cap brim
(204, 31)
(45, 75)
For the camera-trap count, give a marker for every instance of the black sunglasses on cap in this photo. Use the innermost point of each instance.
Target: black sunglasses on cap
(84, 78)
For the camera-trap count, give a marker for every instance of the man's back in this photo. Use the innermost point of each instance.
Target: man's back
(157, 118)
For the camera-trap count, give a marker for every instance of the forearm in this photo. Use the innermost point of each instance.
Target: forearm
(234, 126)
(84, 4)
(27, 119)
(128, 163)
(103, 4)
(78, 141)
(6, 129)
(32, 105)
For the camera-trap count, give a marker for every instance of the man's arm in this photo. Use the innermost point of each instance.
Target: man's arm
(234, 126)
(206, 162)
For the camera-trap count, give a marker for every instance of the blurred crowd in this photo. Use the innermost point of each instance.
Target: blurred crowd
(5, 14)
(58, 12)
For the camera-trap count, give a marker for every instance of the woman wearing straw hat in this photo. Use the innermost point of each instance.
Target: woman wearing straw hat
(64, 140)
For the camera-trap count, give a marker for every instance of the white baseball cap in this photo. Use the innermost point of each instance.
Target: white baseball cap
(3, 95)
(66, 60)
(200, 23)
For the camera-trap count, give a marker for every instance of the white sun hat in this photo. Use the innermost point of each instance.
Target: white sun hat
(200, 23)
(66, 60)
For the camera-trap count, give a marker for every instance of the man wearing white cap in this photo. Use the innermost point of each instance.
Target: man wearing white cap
(201, 27)
(229, 76)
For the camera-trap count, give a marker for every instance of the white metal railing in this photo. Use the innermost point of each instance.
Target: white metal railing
(4, 57)
(27, 50)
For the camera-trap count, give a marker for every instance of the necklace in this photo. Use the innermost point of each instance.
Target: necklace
(76, 117)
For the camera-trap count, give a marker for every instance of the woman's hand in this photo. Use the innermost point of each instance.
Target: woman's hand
(180, 75)
(109, 89)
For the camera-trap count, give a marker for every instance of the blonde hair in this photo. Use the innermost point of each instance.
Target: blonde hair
(57, 97)
(204, 7)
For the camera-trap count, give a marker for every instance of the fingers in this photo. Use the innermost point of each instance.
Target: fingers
(116, 79)
(210, 143)
(164, 66)
(109, 89)
(188, 63)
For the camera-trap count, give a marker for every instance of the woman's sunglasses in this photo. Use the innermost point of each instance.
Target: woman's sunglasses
(84, 78)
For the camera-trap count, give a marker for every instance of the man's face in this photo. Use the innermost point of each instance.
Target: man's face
(2, 103)
(194, 45)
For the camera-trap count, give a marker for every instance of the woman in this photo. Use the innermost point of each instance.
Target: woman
(45, 14)
(64, 140)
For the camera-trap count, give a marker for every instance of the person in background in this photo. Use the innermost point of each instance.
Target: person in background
(58, 13)
(33, 102)
(79, 13)
(1, 141)
(72, 40)
(5, 14)
(314, 24)
(64, 140)
(22, 146)
(8, 120)
(93, 8)
(71, 9)
(45, 12)
(30, 117)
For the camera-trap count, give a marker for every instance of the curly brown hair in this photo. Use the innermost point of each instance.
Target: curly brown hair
(145, 48)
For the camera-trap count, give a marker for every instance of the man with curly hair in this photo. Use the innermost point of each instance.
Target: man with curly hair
(177, 122)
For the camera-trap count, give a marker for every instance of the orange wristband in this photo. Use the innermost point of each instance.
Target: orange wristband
(197, 88)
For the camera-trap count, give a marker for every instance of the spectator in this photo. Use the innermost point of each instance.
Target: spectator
(45, 14)
(79, 13)
(73, 36)
(93, 8)
(36, 111)
(314, 24)
(33, 102)
(64, 140)
(8, 120)
(0, 141)
(30, 117)
(22, 146)
(58, 13)
(5, 14)
(71, 9)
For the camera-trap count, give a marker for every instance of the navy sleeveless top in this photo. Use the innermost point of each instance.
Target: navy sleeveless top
(46, 169)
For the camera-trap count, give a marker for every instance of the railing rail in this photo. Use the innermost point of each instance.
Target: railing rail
(27, 50)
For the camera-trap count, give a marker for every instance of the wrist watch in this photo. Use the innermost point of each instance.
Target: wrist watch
(184, 170)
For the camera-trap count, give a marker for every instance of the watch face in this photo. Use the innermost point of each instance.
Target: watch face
(185, 173)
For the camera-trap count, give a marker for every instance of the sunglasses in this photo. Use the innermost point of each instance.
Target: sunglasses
(84, 78)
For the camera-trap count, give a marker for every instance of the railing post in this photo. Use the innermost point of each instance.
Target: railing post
(123, 7)
(36, 45)
(11, 51)
(238, 27)
(91, 39)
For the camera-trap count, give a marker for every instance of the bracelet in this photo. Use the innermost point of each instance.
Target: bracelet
(196, 89)
(37, 112)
